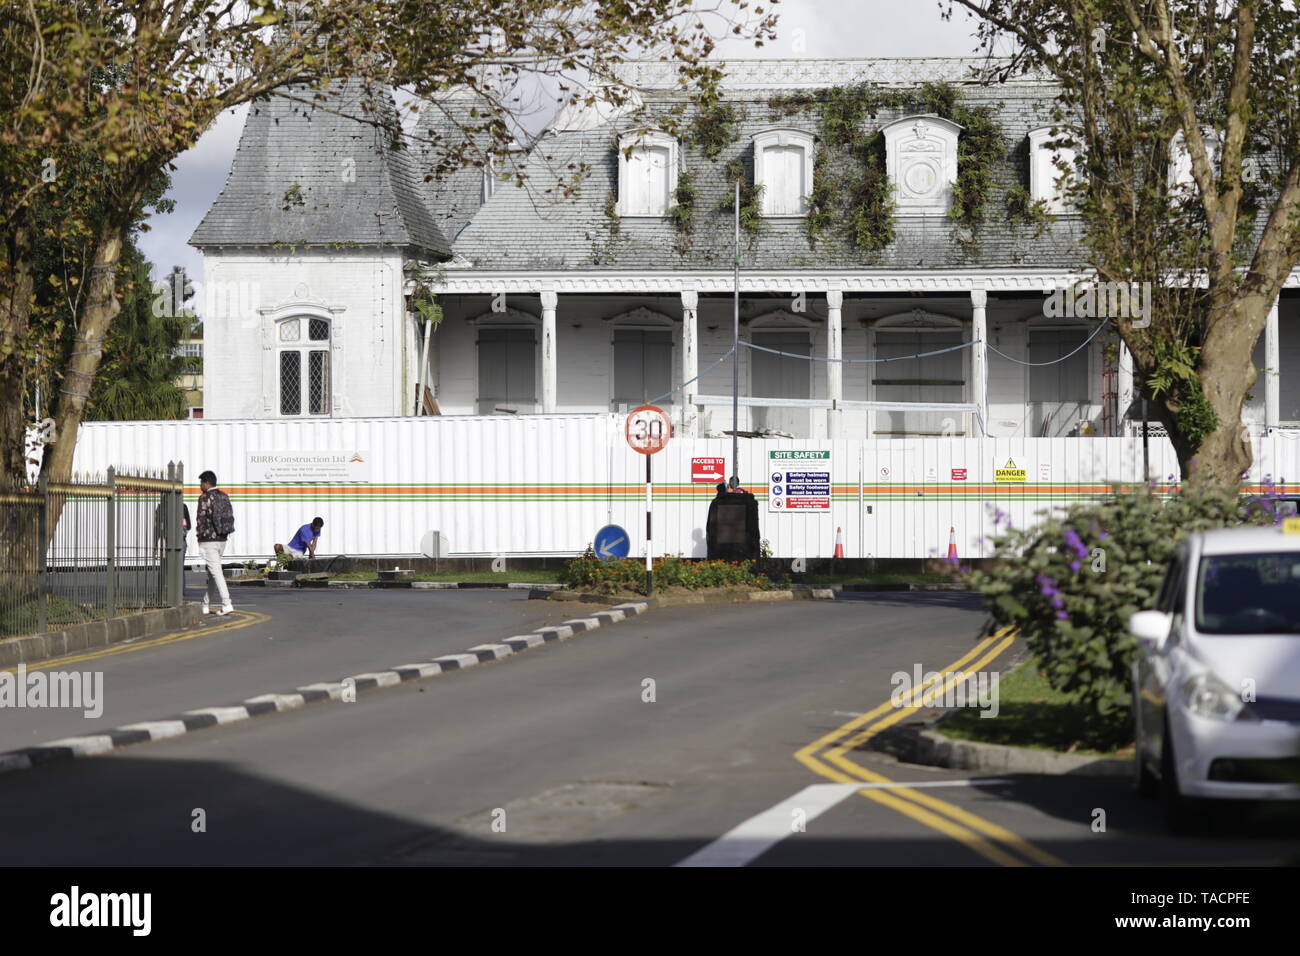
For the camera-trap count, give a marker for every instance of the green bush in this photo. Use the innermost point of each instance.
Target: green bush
(1071, 582)
(588, 572)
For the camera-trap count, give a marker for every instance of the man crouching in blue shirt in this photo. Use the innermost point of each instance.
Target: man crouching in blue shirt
(304, 542)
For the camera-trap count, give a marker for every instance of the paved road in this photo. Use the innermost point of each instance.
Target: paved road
(561, 745)
(279, 639)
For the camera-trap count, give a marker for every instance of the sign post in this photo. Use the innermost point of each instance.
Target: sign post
(648, 430)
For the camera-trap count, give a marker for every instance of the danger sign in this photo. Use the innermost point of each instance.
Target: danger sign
(1010, 472)
(959, 474)
(712, 470)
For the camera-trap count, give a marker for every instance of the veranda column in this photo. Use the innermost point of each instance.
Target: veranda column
(1123, 386)
(1272, 381)
(834, 368)
(690, 362)
(978, 356)
(548, 352)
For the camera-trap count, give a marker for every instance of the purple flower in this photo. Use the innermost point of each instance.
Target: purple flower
(1072, 539)
(1062, 616)
(1047, 586)
(1074, 566)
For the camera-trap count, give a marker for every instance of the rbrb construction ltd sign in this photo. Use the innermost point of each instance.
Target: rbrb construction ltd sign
(308, 466)
(799, 481)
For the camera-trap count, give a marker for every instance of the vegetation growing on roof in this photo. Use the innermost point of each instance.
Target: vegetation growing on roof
(714, 129)
(1024, 207)
(682, 211)
(292, 197)
(606, 251)
(851, 190)
(751, 199)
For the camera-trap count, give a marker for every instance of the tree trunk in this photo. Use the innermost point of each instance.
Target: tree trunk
(1227, 373)
(1222, 458)
(97, 313)
(15, 307)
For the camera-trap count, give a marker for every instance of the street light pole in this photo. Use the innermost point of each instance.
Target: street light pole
(735, 348)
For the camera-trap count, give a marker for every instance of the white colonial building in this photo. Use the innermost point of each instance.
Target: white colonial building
(604, 301)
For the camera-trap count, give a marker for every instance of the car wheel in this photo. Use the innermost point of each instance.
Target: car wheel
(1147, 784)
(1183, 815)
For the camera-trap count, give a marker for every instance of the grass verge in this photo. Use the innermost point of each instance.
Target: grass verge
(23, 617)
(1032, 714)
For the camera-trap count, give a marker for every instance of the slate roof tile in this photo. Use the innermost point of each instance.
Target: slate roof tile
(523, 229)
(305, 175)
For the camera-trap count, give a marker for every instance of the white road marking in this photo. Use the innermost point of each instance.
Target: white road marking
(758, 834)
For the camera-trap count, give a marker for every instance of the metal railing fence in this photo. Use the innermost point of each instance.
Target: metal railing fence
(90, 549)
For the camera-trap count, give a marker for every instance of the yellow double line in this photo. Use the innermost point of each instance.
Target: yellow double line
(989, 840)
(240, 619)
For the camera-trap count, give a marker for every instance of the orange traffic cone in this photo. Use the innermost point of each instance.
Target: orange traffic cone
(839, 542)
(952, 544)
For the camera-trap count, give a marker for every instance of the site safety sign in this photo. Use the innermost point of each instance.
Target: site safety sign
(799, 480)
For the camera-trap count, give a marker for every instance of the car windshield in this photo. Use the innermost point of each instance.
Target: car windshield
(1249, 593)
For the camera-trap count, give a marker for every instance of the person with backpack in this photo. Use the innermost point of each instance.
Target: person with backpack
(214, 523)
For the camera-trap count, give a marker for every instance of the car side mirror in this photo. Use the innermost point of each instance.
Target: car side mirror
(1151, 628)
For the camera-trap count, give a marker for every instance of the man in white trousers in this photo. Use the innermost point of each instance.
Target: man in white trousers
(214, 523)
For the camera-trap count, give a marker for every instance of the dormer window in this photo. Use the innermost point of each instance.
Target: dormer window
(647, 174)
(1048, 182)
(783, 167)
(921, 153)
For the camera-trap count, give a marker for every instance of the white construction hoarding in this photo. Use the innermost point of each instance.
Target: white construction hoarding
(544, 484)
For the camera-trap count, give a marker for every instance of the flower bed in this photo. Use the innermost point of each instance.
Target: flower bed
(589, 573)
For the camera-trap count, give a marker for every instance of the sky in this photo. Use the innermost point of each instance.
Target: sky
(807, 28)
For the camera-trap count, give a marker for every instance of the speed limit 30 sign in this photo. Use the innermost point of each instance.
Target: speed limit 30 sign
(648, 429)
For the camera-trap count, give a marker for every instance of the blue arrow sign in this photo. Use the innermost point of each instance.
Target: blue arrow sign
(612, 542)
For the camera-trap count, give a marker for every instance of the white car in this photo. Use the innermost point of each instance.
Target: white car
(1216, 682)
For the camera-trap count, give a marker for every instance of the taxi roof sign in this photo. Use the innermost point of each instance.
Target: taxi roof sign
(1291, 525)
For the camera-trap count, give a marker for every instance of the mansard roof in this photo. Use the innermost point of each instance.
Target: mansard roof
(531, 229)
(394, 199)
(446, 121)
(311, 172)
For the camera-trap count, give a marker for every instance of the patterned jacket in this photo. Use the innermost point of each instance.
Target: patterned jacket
(216, 518)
